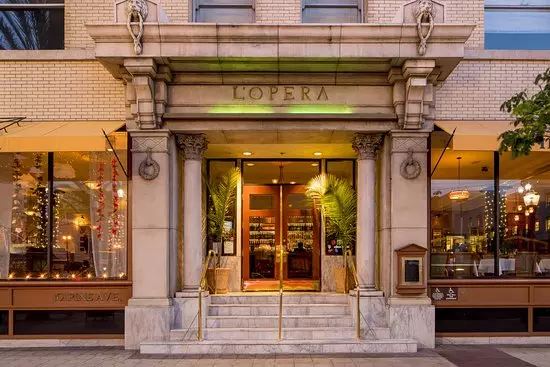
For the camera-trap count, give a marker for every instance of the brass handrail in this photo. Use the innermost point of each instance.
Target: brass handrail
(211, 255)
(347, 256)
(281, 268)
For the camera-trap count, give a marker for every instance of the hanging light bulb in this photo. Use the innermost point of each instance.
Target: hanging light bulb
(459, 194)
(520, 208)
(521, 189)
(531, 210)
(527, 213)
(516, 217)
(528, 187)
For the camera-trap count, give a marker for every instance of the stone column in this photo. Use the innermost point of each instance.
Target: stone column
(366, 146)
(193, 147)
(148, 316)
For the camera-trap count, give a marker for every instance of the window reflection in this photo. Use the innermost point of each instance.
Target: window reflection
(462, 211)
(82, 235)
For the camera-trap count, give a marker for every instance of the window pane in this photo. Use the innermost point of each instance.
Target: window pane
(331, 11)
(39, 29)
(469, 320)
(4, 322)
(224, 11)
(23, 214)
(462, 228)
(525, 245)
(541, 319)
(90, 193)
(68, 322)
(343, 169)
(527, 29)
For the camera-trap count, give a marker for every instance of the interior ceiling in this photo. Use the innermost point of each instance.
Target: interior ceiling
(276, 144)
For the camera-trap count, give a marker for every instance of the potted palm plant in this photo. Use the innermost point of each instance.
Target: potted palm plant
(222, 191)
(337, 201)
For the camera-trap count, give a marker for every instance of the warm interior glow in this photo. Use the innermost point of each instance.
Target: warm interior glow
(459, 195)
(247, 153)
(317, 153)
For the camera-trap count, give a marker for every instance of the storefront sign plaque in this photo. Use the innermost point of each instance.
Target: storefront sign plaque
(444, 294)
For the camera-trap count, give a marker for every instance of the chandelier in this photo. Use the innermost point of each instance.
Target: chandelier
(459, 194)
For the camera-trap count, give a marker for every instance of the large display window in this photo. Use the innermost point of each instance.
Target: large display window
(63, 215)
(488, 214)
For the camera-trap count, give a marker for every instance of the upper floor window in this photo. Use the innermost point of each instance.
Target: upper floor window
(517, 24)
(332, 11)
(31, 24)
(223, 11)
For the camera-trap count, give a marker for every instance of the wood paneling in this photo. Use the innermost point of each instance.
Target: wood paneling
(73, 298)
(5, 298)
(541, 295)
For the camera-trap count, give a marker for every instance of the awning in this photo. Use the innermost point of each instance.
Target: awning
(57, 136)
(475, 135)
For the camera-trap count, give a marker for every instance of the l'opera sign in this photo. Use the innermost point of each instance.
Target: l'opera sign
(280, 93)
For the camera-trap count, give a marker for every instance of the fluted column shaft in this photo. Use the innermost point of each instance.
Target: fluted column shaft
(193, 147)
(366, 147)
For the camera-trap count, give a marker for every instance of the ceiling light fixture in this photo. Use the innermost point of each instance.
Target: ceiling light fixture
(317, 153)
(293, 182)
(459, 194)
(250, 164)
(247, 153)
(274, 181)
(314, 164)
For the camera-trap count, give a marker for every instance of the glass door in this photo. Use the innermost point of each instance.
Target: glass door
(275, 216)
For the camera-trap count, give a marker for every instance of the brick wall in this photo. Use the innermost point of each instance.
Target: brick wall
(456, 11)
(278, 11)
(69, 90)
(476, 89)
(177, 10)
(80, 12)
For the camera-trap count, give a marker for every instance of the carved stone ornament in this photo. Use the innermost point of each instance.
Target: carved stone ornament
(424, 12)
(149, 169)
(193, 146)
(367, 145)
(136, 11)
(410, 168)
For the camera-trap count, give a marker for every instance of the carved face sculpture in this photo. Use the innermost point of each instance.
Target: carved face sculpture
(136, 7)
(424, 8)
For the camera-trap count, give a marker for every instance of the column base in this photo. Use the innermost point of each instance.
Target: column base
(191, 294)
(369, 292)
(147, 320)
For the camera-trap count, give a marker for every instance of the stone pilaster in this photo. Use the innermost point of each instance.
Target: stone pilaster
(142, 72)
(193, 147)
(148, 315)
(409, 316)
(367, 147)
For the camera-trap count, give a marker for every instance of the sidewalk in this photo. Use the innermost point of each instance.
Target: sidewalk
(443, 356)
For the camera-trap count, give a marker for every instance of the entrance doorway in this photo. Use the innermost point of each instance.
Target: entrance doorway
(279, 215)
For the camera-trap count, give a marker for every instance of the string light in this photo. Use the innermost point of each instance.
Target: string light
(73, 276)
(89, 276)
(10, 276)
(42, 276)
(56, 276)
(104, 275)
(28, 276)
(121, 275)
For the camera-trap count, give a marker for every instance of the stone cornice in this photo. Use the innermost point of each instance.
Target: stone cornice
(211, 43)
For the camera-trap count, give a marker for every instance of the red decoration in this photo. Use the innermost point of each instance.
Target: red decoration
(114, 184)
(101, 200)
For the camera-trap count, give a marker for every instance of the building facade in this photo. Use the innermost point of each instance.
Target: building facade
(117, 115)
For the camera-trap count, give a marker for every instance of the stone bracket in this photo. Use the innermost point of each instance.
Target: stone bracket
(146, 92)
(413, 92)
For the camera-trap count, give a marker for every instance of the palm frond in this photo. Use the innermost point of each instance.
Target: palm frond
(338, 202)
(222, 191)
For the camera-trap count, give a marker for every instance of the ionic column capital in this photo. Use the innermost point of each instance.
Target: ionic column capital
(367, 145)
(192, 145)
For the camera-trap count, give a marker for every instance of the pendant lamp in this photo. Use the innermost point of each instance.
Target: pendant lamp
(459, 194)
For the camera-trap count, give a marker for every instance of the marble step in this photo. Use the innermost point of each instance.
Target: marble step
(273, 309)
(314, 333)
(225, 347)
(273, 321)
(262, 298)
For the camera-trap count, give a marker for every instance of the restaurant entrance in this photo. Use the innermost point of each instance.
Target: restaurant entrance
(280, 216)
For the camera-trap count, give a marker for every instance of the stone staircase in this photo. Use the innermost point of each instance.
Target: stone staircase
(248, 324)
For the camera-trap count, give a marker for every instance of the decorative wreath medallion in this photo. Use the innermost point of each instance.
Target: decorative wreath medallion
(149, 169)
(410, 168)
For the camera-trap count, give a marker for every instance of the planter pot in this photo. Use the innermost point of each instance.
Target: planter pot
(221, 281)
(340, 277)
